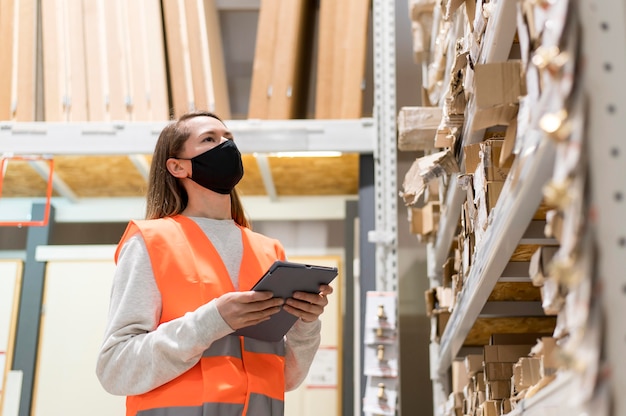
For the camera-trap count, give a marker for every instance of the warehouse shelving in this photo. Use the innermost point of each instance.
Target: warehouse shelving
(603, 24)
(497, 42)
(513, 214)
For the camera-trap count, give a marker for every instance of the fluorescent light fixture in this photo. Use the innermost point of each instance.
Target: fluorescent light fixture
(306, 154)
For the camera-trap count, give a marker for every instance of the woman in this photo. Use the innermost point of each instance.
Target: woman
(182, 287)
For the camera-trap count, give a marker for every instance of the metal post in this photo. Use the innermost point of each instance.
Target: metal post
(29, 317)
(385, 234)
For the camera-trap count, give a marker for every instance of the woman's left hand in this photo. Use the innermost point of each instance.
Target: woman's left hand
(308, 306)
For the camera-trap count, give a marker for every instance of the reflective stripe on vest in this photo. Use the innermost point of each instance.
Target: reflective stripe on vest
(236, 375)
(259, 406)
(230, 346)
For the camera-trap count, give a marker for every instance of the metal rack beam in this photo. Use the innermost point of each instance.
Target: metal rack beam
(126, 138)
(604, 50)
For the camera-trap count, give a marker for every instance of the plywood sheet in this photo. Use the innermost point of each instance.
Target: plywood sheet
(94, 176)
(342, 53)
(18, 29)
(281, 60)
(252, 182)
(197, 74)
(515, 291)
(315, 176)
(262, 66)
(484, 327)
(21, 180)
(117, 176)
(65, 88)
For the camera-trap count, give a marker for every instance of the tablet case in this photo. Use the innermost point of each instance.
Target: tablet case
(283, 278)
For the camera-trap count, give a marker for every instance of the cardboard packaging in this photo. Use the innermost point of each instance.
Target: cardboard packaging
(498, 371)
(539, 264)
(417, 127)
(505, 353)
(459, 376)
(424, 221)
(473, 364)
(498, 389)
(498, 88)
(491, 408)
(490, 151)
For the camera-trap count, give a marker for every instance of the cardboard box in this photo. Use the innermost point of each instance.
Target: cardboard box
(498, 371)
(424, 220)
(498, 389)
(549, 356)
(505, 353)
(490, 151)
(473, 364)
(479, 381)
(471, 157)
(539, 263)
(498, 84)
(530, 371)
(491, 408)
(487, 154)
(494, 189)
(417, 127)
(505, 407)
(439, 320)
(448, 271)
(429, 298)
(459, 376)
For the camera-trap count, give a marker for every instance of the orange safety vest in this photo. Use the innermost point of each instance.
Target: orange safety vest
(236, 375)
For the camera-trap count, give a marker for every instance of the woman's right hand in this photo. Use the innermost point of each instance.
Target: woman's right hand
(243, 309)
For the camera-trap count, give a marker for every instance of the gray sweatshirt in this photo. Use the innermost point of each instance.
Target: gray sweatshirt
(138, 355)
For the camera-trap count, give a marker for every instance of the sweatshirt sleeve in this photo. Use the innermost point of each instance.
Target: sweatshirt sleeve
(137, 354)
(303, 340)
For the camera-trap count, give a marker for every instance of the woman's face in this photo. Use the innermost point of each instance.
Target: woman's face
(205, 133)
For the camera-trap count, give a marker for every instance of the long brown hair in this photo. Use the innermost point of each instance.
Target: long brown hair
(166, 195)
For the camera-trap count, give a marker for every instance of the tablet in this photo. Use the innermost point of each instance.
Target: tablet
(283, 279)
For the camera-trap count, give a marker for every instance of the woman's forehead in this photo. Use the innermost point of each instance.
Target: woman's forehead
(202, 123)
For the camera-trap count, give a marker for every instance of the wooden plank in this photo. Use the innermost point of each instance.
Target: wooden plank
(76, 75)
(217, 66)
(176, 54)
(352, 78)
(290, 58)
(26, 57)
(262, 66)
(515, 291)
(118, 79)
(18, 31)
(200, 84)
(53, 71)
(326, 60)
(96, 62)
(342, 53)
(137, 58)
(7, 16)
(484, 327)
(157, 93)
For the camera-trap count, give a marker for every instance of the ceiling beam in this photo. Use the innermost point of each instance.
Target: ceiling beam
(266, 176)
(43, 169)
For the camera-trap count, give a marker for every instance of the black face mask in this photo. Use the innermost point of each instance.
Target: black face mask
(218, 169)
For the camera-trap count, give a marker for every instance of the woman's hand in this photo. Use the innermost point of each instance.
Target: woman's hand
(242, 309)
(308, 306)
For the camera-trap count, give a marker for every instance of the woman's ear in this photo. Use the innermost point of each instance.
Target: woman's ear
(177, 169)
